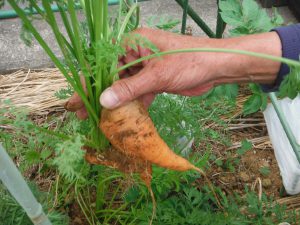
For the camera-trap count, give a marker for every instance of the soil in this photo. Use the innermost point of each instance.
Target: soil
(247, 172)
(76, 215)
(257, 165)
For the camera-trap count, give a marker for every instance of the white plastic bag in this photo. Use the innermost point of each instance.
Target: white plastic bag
(284, 153)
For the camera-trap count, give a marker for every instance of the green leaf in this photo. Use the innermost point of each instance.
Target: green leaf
(290, 86)
(255, 88)
(230, 5)
(64, 93)
(265, 171)
(252, 104)
(250, 9)
(229, 91)
(231, 12)
(264, 103)
(247, 17)
(232, 19)
(219, 162)
(132, 194)
(26, 35)
(277, 19)
(246, 146)
(261, 23)
(163, 22)
(69, 159)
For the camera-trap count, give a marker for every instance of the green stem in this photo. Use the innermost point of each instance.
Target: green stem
(37, 8)
(89, 19)
(52, 56)
(100, 190)
(82, 205)
(106, 220)
(220, 50)
(115, 211)
(67, 26)
(105, 19)
(78, 48)
(126, 21)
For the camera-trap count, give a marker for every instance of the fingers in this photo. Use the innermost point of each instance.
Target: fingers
(197, 91)
(128, 89)
(147, 99)
(74, 103)
(82, 114)
(144, 52)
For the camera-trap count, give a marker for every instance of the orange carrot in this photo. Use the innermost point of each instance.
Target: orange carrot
(131, 131)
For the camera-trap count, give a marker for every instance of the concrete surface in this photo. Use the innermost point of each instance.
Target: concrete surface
(14, 54)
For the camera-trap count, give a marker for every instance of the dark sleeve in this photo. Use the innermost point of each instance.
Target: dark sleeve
(290, 41)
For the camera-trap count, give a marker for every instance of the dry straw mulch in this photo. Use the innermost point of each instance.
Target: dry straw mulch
(33, 90)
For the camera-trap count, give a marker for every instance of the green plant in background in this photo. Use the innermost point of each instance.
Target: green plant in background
(191, 206)
(247, 17)
(164, 22)
(257, 101)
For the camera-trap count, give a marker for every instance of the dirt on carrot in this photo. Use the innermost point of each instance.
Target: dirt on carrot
(131, 131)
(118, 160)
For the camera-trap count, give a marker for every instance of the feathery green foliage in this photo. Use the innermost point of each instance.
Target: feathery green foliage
(12, 212)
(70, 159)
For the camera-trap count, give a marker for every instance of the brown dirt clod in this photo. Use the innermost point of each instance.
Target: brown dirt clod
(118, 160)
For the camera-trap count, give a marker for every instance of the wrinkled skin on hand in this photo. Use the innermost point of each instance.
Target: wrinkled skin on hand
(178, 74)
(189, 74)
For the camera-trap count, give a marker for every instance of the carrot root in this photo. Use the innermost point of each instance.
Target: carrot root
(210, 185)
(153, 205)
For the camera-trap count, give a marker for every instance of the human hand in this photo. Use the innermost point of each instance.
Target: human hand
(189, 74)
(179, 74)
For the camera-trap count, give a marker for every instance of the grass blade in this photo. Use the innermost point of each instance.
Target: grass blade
(126, 21)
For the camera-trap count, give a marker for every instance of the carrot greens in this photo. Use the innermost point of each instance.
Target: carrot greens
(87, 58)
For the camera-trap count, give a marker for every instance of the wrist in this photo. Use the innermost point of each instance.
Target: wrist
(241, 68)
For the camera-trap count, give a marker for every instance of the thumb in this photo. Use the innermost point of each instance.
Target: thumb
(128, 89)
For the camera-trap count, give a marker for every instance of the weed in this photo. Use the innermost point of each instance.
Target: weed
(246, 146)
(265, 171)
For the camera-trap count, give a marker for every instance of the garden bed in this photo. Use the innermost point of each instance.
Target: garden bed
(247, 162)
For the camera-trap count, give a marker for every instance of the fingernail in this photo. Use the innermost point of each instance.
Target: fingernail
(109, 99)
